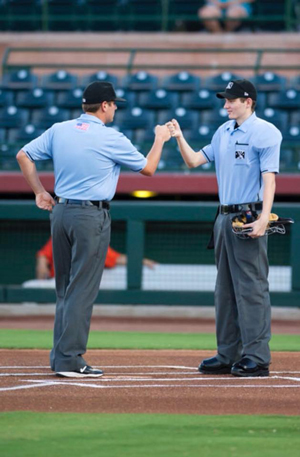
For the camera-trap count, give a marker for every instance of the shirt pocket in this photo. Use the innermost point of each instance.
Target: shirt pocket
(241, 154)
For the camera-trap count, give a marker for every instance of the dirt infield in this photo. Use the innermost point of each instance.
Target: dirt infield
(138, 381)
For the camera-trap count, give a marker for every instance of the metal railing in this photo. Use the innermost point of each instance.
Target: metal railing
(132, 53)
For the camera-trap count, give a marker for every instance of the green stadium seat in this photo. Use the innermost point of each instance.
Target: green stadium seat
(21, 79)
(159, 99)
(181, 82)
(70, 99)
(45, 118)
(219, 82)
(277, 117)
(187, 119)
(36, 98)
(6, 97)
(269, 82)
(140, 81)
(134, 118)
(100, 75)
(286, 99)
(60, 80)
(13, 117)
(24, 134)
(200, 99)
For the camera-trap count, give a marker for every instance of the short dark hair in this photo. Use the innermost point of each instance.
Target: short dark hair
(253, 103)
(90, 108)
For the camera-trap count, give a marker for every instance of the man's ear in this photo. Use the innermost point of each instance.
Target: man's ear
(104, 106)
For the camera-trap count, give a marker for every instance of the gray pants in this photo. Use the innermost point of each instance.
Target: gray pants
(80, 236)
(242, 301)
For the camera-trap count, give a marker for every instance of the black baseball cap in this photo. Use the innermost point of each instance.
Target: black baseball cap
(240, 88)
(100, 91)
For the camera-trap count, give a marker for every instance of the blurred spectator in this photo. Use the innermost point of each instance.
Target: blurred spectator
(45, 265)
(215, 10)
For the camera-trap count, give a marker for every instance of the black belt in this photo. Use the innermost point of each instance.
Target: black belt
(68, 201)
(227, 209)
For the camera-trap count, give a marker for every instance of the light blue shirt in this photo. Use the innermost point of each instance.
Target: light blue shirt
(87, 157)
(241, 156)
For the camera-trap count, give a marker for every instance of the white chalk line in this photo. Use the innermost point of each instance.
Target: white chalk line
(148, 386)
(115, 377)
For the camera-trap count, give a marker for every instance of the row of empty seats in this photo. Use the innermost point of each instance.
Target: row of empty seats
(29, 105)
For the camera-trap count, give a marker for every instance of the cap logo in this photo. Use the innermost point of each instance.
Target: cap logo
(229, 85)
(246, 94)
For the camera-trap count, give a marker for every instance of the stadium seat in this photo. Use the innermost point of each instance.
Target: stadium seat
(130, 97)
(275, 116)
(295, 83)
(36, 98)
(100, 76)
(24, 134)
(140, 81)
(13, 117)
(269, 82)
(70, 99)
(21, 79)
(214, 117)
(171, 159)
(292, 134)
(219, 82)
(159, 99)
(60, 80)
(200, 99)
(2, 135)
(6, 97)
(200, 136)
(134, 118)
(182, 82)
(187, 119)
(45, 118)
(286, 99)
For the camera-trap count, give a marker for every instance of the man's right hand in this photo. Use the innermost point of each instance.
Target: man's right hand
(44, 201)
(174, 129)
(162, 131)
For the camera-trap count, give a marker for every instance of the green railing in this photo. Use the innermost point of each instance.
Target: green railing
(136, 216)
(126, 17)
(132, 53)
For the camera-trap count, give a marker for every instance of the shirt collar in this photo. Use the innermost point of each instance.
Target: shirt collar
(90, 118)
(245, 125)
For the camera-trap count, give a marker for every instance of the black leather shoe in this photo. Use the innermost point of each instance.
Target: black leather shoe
(214, 366)
(246, 367)
(85, 372)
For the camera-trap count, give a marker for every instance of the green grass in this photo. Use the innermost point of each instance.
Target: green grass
(42, 339)
(26, 434)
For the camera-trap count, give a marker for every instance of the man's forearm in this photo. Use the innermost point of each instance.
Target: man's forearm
(269, 193)
(153, 157)
(28, 169)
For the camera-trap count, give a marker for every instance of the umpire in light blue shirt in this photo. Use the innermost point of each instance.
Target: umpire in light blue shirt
(87, 157)
(246, 154)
